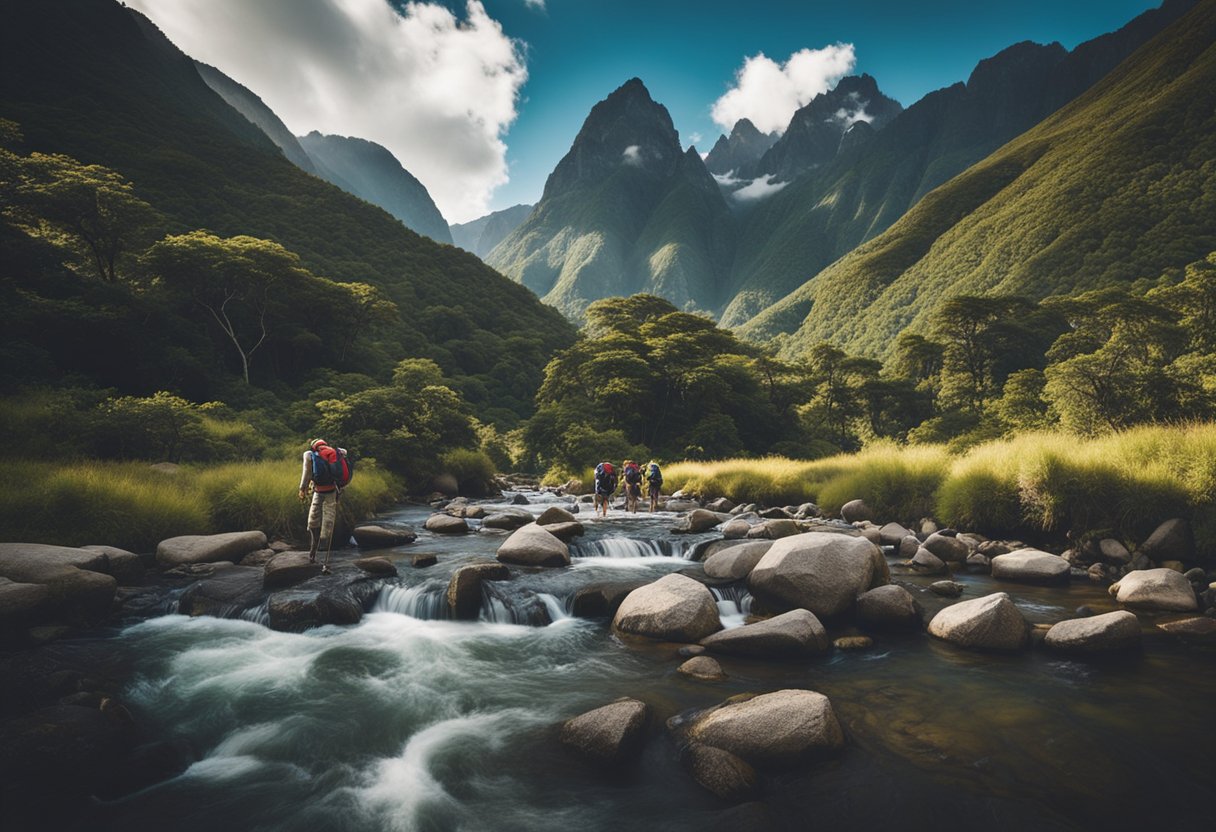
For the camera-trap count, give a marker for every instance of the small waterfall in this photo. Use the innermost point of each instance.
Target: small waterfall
(556, 609)
(734, 604)
(630, 547)
(501, 604)
(427, 601)
(259, 614)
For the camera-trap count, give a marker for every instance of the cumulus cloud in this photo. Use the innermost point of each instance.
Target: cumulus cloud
(436, 90)
(768, 92)
(632, 155)
(758, 189)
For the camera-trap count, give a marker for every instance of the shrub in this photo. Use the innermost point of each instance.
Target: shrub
(473, 470)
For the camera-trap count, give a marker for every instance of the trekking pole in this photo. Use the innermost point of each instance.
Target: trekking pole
(329, 548)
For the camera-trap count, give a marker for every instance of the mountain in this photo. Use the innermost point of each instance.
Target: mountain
(371, 172)
(741, 151)
(1117, 186)
(873, 181)
(482, 234)
(96, 81)
(626, 210)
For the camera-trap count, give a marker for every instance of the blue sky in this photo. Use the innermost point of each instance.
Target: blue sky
(687, 53)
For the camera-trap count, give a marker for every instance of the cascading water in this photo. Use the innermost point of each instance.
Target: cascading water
(426, 601)
(734, 604)
(630, 547)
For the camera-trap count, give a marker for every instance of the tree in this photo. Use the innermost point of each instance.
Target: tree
(366, 308)
(985, 339)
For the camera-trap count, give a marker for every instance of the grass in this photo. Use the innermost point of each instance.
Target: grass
(1033, 484)
(134, 506)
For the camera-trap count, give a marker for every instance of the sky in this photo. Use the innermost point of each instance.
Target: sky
(479, 99)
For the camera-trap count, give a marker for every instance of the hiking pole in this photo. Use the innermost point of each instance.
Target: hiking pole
(329, 548)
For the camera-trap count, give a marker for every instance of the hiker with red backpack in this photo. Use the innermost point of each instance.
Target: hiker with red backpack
(605, 485)
(327, 471)
(633, 485)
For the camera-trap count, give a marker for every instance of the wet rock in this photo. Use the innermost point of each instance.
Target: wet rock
(774, 530)
(736, 529)
(76, 587)
(321, 601)
(565, 532)
(464, 588)
(611, 734)
(892, 533)
(1113, 551)
(383, 536)
(1155, 589)
(224, 595)
(703, 668)
(908, 547)
(424, 560)
(776, 513)
(853, 642)
(1031, 566)
(533, 545)
(259, 558)
(928, 563)
(519, 500)
(555, 514)
(720, 505)
(791, 635)
(888, 606)
(1199, 629)
(687, 651)
(989, 623)
(277, 546)
(602, 600)
(507, 520)
(1172, 540)
(1118, 630)
(466, 511)
(209, 548)
(781, 727)
(979, 562)
(992, 548)
(823, 573)
(126, 567)
(383, 567)
(678, 506)
(288, 569)
(947, 589)
(855, 510)
(698, 520)
(721, 772)
(736, 562)
(949, 549)
(808, 510)
(673, 608)
(22, 604)
(446, 524)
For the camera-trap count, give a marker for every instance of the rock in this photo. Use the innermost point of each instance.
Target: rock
(277, 546)
(992, 622)
(673, 608)
(424, 560)
(565, 532)
(808, 510)
(1113, 551)
(602, 600)
(927, 562)
(446, 524)
(781, 727)
(703, 668)
(720, 505)
(927, 526)
(774, 529)
(226, 594)
(610, 734)
(1030, 565)
(947, 589)
(464, 588)
(687, 651)
(908, 547)
(519, 500)
(555, 514)
(383, 567)
(1199, 629)
(726, 775)
(776, 513)
(1176, 565)
(209, 548)
(309, 605)
(1155, 589)
(573, 508)
(260, 558)
(893, 534)
(872, 534)
(532, 545)
(75, 586)
(888, 606)
(288, 569)
(790, 635)
(949, 549)
(126, 567)
(677, 505)
(992, 548)
(22, 604)
(466, 511)
(198, 571)
(507, 520)
(853, 642)
(381, 536)
(979, 562)
(1118, 630)
(736, 562)
(697, 520)
(736, 529)
(855, 510)
(823, 573)
(1172, 540)
(1198, 579)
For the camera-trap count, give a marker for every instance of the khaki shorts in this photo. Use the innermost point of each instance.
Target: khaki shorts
(323, 511)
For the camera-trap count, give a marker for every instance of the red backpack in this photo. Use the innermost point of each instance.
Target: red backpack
(330, 468)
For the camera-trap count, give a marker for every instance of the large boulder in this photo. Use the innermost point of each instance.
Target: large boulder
(555, 514)
(736, 529)
(1172, 540)
(673, 608)
(224, 595)
(823, 573)
(790, 635)
(721, 505)
(1113, 551)
(507, 520)
(1030, 565)
(76, 586)
(126, 567)
(781, 727)
(1155, 589)
(855, 511)
(565, 532)
(702, 668)
(736, 562)
(209, 548)
(892, 533)
(379, 567)
(888, 606)
(602, 600)
(288, 569)
(610, 734)
(446, 524)
(928, 563)
(321, 601)
(990, 623)
(464, 587)
(1119, 630)
(532, 545)
(726, 775)
(383, 535)
(698, 520)
(949, 549)
(678, 505)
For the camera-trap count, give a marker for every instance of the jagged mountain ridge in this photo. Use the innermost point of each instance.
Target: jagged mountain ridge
(741, 150)
(479, 236)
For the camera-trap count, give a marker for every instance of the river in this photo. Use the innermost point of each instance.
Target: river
(409, 721)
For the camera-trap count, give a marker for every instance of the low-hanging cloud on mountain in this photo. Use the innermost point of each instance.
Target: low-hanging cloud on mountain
(768, 93)
(436, 90)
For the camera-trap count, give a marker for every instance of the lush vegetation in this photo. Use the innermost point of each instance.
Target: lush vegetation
(1123, 483)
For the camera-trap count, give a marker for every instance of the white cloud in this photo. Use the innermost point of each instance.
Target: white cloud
(437, 91)
(695, 137)
(632, 155)
(534, 4)
(768, 93)
(727, 179)
(758, 189)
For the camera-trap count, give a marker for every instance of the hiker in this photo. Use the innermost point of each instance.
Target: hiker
(633, 485)
(327, 471)
(654, 479)
(605, 485)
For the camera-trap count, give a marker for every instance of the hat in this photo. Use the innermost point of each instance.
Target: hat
(313, 443)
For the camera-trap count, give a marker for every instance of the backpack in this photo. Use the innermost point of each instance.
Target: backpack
(606, 475)
(654, 475)
(331, 467)
(633, 474)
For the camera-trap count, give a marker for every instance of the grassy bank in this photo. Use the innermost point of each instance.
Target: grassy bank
(134, 506)
(1126, 482)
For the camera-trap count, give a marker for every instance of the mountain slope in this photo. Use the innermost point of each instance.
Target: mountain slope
(745, 146)
(828, 212)
(1118, 185)
(482, 234)
(371, 172)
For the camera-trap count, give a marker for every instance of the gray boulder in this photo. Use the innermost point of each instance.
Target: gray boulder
(774, 530)
(602, 600)
(979, 562)
(320, 602)
(555, 514)
(464, 587)
(1155, 589)
(946, 589)
(928, 563)
(288, 569)
(533, 545)
(380, 567)
(76, 586)
(209, 548)
(1119, 630)
(794, 634)
(703, 668)
(224, 595)
(720, 505)
(1172, 540)
(823, 573)
(22, 604)
(736, 562)
(126, 567)
(855, 511)
(736, 529)
(508, 520)
(1113, 551)
(610, 734)
(678, 505)
(892, 533)
(696, 521)
(382, 536)
(888, 606)
(565, 532)
(776, 513)
(990, 623)
(446, 524)
(726, 775)
(1030, 565)
(908, 547)
(781, 727)
(673, 608)
(949, 549)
